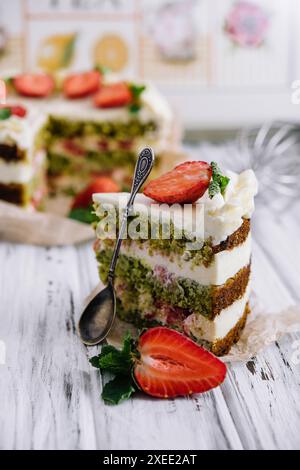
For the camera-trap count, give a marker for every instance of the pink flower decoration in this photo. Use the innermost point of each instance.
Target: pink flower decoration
(247, 24)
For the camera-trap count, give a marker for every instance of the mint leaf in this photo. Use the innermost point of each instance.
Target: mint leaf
(106, 349)
(95, 361)
(120, 363)
(102, 69)
(117, 390)
(224, 180)
(213, 189)
(116, 361)
(5, 113)
(136, 92)
(134, 108)
(83, 214)
(218, 182)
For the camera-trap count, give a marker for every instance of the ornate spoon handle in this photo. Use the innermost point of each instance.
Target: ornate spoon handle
(142, 170)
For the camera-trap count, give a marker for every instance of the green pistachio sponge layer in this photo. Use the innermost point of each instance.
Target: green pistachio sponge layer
(138, 289)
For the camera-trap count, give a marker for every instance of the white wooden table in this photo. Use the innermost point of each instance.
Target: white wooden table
(50, 395)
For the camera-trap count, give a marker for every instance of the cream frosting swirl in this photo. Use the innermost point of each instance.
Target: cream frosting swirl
(224, 214)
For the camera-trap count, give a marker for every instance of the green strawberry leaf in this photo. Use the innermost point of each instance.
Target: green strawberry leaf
(117, 390)
(218, 182)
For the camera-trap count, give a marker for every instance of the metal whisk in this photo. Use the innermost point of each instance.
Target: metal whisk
(273, 152)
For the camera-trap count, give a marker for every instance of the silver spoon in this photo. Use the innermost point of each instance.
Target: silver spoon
(98, 317)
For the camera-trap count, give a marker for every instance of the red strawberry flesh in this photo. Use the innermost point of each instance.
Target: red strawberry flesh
(186, 183)
(101, 184)
(171, 365)
(34, 85)
(81, 84)
(113, 96)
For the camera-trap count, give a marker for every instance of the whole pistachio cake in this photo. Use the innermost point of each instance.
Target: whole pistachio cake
(94, 124)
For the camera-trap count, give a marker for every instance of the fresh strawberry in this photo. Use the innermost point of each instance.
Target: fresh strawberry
(185, 184)
(113, 96)
(170, 365)
(34, 85)
(15, 110)
(102, 184)
(18, 110)
(80, 85)
(162, 363)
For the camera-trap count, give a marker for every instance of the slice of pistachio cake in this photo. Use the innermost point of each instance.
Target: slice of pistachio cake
(183, 265)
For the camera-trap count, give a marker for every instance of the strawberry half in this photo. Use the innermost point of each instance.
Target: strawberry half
(162, 362)
(185, 184)
(34, 85)
(113, 96)
(80, 85)
(102, 184)
(171, 365)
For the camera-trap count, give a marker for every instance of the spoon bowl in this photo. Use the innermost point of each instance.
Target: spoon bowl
(98, 317)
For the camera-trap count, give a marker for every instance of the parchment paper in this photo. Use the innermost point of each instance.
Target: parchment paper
(262, 329)
(40, 228)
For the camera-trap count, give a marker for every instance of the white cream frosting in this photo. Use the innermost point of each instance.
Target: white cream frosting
(226, 264)
(213, 330)
(12, 172)
(154, 108)
(14, 129)
(21, 131)
(222, 215)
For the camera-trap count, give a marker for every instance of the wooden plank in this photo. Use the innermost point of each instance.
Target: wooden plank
(51, 393)
(262, 394)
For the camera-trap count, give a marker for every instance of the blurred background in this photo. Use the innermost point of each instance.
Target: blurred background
(230, 69)
(223, 64)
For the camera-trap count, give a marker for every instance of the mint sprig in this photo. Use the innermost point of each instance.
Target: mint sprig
(218, 182)
(136, 92)
(119, 363)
